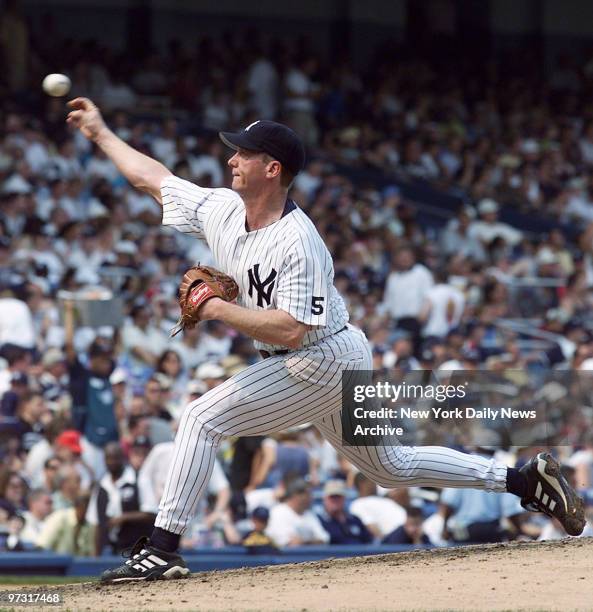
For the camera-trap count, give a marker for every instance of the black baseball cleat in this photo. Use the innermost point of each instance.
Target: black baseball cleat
(549, 492)
(147, 563)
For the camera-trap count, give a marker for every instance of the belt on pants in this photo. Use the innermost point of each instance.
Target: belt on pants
(266, 354)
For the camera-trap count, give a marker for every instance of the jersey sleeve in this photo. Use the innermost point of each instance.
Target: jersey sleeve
(188, 208)
(303, 284)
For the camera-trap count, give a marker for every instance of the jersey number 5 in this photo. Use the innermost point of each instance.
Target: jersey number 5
(317, 305)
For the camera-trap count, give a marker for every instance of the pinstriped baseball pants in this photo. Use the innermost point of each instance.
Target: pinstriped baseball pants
(287, 390)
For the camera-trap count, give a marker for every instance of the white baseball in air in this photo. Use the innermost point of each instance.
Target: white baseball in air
(56, 85)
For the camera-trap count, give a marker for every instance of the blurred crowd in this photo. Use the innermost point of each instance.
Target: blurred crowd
(89, 402)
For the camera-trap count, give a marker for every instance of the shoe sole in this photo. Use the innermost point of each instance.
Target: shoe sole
(573, 520)
(173, 573)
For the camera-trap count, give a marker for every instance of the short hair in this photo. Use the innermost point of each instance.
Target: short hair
(441, 275)
(134, 419)
(289, 477)
(97, 349)
(114, 447)
(49, 460)
(55, 427)
(286, 176)
(27, 397)
(406, 246)
(415, 512)
(35, 494)
(65, 472)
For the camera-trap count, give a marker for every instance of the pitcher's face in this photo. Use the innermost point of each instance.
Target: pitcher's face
(250, 171)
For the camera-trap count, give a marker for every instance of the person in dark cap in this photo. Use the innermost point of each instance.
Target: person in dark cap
(257, 540)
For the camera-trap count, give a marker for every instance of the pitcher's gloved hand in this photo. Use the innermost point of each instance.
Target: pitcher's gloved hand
(199, 284)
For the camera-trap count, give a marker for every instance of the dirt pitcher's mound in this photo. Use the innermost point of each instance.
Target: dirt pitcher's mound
(526, 576)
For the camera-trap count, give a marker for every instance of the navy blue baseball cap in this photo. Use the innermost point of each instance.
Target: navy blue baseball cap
(275, 139)
(261, 513)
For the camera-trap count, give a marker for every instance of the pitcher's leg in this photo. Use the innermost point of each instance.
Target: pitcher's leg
(406, 466)
(190, 470)
(262, 399)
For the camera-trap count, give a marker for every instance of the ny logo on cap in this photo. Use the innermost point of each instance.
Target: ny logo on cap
(263, 287)
(251, 125)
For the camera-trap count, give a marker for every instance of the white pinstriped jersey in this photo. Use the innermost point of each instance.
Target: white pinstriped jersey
(285, 265)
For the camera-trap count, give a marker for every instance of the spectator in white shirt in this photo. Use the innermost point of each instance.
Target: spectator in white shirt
(309, 180)
(153, 475)
(406, 286)
(292, 523)
(489, 227)
(190, 348)
(36, 152)
(442, 309)
(40, 506)
(380, 515)
(87, 257)
(215, 340)
(456, 239)
(42, 252)
(405, 291)
(16, 323)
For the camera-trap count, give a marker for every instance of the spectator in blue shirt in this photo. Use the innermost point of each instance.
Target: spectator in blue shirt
(285, 456)
(343, 527)
(473, 516)
(92, 397)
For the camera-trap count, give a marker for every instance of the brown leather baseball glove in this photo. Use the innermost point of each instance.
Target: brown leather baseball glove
(198, 285)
